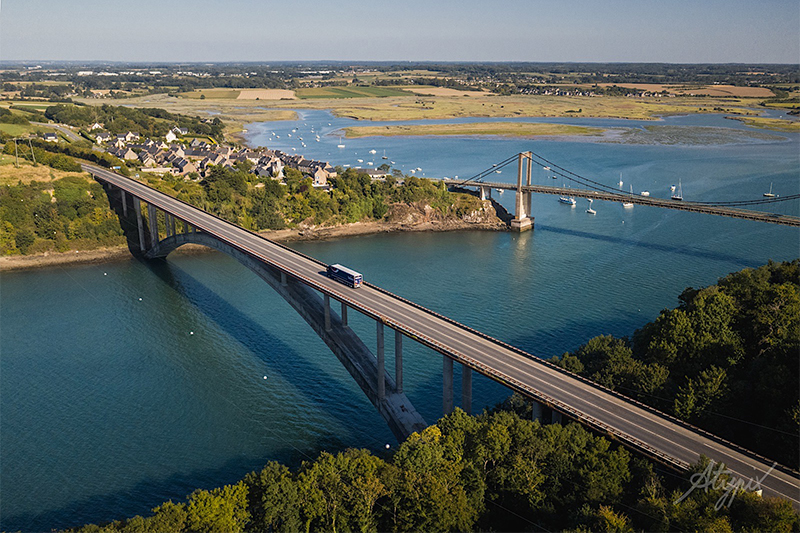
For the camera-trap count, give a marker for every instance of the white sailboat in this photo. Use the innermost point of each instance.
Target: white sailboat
(340, 145)
(629, 204)
(679, 194)
(590, 210)
(769, 194)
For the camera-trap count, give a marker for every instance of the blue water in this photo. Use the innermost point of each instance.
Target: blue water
(123, 385)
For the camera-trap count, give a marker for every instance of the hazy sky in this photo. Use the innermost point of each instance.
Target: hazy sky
(680, 31)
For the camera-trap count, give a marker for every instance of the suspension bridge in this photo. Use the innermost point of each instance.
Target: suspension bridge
(595, 190)
(156, 224)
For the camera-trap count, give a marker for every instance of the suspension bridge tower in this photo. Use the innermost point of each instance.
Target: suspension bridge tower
(523, 220)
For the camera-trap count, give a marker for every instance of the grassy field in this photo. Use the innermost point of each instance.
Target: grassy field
(212, 94)
(17, 130)
(510, 129)
(26, 173)
(237, 113)
(349, 92)
(774, 124)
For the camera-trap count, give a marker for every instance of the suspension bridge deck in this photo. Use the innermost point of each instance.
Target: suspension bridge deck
(681, 205)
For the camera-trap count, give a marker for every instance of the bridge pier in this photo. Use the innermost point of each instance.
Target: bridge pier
(381, 364)
(327, 300)
(447, 385)
(555, 417)
(344, 315)
(466, 389)
(398, 360)
(152, 221)
(536, 411)
(523, 220)
(485, 192)
(137, 207)
(124, 199)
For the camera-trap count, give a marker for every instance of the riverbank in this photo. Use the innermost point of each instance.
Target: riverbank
(311, 233)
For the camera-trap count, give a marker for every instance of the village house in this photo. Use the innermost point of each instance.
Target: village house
(170, 136)
(96, 126)
(184, 166)
(50, 137)
(103, 137)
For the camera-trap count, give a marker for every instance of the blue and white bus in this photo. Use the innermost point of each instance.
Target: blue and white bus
(345, 275)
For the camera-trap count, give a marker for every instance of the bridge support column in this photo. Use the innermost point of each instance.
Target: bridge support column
(283, 279)
(398, 361)
(466, 389)
(485, 192)
(185, 227)
(536, 411)
(381, 365)
(137, 207)
(327, 312)
(447, 386)
(344, 315)
(555, 417)
(522, 219)
(168, 224)
(124, 198)
(152, 221)
(173, 224)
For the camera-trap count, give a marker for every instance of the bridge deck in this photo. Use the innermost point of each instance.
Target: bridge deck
(747, 214)
(637, 426)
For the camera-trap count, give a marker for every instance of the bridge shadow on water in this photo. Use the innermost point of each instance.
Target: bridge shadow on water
(680, 250)
(148, 493)
(259, 341)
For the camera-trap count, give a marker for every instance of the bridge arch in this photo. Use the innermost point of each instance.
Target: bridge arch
(391, 402)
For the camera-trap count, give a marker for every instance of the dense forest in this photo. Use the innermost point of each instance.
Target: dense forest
(726, 359)
(73, 213)
(498, 471)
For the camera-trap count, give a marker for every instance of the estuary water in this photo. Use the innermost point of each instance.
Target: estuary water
(126, 384)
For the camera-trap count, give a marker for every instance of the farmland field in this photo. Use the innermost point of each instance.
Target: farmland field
(349, 92)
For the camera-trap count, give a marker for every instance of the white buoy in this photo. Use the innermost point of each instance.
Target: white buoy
(191, 333)
(140, 299)
(265, 377)
(387, 446)
(105, 273)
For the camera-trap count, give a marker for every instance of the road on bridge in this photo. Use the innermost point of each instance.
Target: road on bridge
(635, 425)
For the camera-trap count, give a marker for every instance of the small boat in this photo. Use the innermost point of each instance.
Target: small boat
(392, 162)
(567, 200)
(645, 193)
(555, 177)
(499, 171)
(628, 205)
(360, 160)
(340, 145)
(590, 210)
(679, 194)
(769, 194)
(373, 152)
(384, 155)
(547, 169)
